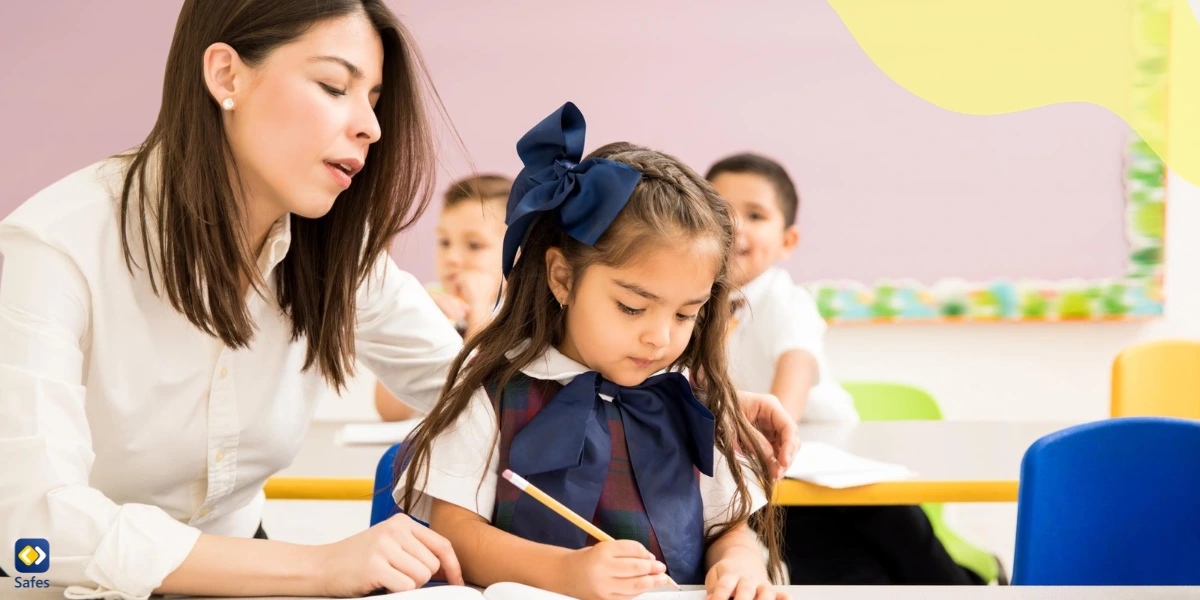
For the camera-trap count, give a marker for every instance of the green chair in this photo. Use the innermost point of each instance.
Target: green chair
(898, 402)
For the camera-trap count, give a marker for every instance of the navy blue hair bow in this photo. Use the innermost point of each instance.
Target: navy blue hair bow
(585, 196)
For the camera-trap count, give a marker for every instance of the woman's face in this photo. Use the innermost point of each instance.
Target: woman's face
(304, 118)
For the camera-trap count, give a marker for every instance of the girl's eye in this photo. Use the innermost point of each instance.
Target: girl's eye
(475, 246)
(332, 91)
(630, 311)
(683, 317)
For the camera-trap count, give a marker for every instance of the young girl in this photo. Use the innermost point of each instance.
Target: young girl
(470, 234)
(578, 385)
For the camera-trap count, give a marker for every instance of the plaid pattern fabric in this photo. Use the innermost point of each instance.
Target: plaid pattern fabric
(620, 513)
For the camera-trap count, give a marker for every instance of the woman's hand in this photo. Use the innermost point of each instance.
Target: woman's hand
(611, 570)
(777, 431)
(398, 554)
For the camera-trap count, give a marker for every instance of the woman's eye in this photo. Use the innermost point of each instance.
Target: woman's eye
(332, 91)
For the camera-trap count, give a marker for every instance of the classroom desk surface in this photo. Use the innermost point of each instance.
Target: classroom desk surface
(955, 461)
(882, 593)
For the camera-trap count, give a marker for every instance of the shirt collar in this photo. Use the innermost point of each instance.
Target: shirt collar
(555, 366)
(276, 246)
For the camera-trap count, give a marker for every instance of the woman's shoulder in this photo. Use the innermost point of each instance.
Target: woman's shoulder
(73, 208)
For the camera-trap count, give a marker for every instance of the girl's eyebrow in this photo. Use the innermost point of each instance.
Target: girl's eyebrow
(643, 292)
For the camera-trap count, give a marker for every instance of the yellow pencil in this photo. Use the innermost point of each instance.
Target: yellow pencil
(565, 512)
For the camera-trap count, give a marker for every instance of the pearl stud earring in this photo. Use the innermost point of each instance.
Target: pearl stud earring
(227, 104)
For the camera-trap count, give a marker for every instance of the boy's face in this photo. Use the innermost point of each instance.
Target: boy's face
(470, 238)
(762, 238)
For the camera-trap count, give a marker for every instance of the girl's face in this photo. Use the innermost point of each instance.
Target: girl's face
(304, 119)
(628, 323)
(470, 239)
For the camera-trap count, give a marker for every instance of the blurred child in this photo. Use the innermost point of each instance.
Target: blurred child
(470, 232)
(777, 347)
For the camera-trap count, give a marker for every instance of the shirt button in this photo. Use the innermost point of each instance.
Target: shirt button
(220, 457)
(224, 372)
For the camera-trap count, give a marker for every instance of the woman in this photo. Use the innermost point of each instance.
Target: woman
(168, 317)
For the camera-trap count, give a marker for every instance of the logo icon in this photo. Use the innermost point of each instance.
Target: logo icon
(33, 555)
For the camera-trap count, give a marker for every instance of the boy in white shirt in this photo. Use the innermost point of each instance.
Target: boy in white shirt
(776, 346)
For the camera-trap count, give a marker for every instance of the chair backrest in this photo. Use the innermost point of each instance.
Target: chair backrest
(1157, 379)
(1111, 503)
(892, 402)
(382, 504)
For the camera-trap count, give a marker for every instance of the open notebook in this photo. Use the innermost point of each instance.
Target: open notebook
(515, 591)
(831, 467)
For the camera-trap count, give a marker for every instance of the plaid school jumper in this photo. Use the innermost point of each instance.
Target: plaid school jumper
(620, 513)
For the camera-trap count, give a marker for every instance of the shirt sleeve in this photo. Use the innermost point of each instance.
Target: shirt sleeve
(719, 491)
(402, 337)
(45, 306)
(464, 462)
(797, 324)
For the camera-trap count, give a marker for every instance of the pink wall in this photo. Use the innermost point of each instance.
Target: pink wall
(891, 186)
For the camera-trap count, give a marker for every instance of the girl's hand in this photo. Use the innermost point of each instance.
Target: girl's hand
(612, 570)
(740, 577)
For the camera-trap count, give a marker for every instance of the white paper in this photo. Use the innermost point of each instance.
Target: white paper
(376, 433)
(444, 592)
(832, 467)
(517, 591)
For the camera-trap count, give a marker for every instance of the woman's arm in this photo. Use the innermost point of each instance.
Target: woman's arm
(398, 555)
(402, 336)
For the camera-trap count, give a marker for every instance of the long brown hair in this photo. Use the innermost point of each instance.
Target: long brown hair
(178, 197)
(671, 205)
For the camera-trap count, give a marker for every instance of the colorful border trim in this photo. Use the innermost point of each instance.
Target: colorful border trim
(1138, 295)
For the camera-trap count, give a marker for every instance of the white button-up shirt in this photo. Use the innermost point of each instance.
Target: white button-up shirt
(125, 431)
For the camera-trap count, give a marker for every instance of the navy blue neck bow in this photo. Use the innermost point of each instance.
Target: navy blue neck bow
(565, 450)
(585, 196)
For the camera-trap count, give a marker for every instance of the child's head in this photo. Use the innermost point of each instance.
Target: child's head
(471, 227)
(765, 203)
(642, 297)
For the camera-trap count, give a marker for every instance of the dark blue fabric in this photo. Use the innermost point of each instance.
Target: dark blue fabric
(565, 451)
(585, 196)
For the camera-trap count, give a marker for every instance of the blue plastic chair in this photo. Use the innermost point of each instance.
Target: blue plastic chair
(1111, 503)
(382, 504)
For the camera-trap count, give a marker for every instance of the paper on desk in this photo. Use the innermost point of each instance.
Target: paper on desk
(516, 591)
(832, 467)
(376, 433)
